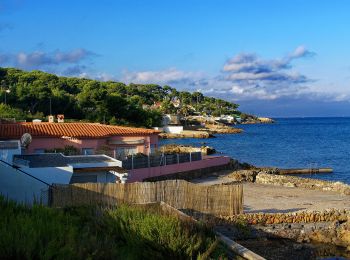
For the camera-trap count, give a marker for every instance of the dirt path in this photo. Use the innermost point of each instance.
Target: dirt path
(274, 199)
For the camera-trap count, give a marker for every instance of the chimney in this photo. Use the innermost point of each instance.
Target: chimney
(60, 118)
(51, 119)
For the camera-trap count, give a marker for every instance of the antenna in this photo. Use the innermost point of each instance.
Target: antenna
(26, 139)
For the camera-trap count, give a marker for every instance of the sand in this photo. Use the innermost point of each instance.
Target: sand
(274, 199)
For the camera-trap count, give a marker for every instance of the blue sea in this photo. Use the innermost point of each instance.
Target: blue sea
(289, 143)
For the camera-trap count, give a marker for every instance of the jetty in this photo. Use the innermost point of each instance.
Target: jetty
(305, 171)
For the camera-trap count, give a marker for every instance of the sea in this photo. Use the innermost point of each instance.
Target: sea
(288, 143)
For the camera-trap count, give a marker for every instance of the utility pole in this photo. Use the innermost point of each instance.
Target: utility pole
(50, 107)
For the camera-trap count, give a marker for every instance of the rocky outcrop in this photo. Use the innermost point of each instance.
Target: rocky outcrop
(291, 181)
(186, 134)
(176, 148)
(270, 176)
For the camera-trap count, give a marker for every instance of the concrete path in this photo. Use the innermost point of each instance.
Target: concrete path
(274, 199)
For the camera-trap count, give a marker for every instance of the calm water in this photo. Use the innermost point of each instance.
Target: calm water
(289, 143)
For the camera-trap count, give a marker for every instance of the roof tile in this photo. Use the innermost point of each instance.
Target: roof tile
(77, 130)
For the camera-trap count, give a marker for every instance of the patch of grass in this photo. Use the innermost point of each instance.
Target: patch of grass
(94, 233)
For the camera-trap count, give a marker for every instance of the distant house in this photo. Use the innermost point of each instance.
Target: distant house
(87, 138)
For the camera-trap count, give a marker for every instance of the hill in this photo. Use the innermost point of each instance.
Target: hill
(28, 95)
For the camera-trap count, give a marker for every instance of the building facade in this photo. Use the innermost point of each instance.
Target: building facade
(87, 138)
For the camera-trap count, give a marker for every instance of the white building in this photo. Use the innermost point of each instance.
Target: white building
(25, 178)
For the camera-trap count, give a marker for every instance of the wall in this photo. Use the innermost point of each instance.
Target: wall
(173, 129)
(20, 187)
(51, 174)
(208, 161)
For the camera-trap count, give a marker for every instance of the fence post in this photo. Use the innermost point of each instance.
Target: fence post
(178, 158)
(49, 197)
(164, 156)
(148, 161)
(190, 156)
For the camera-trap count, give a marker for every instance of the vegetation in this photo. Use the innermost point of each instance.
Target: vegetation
(91, 233)
(29, 94)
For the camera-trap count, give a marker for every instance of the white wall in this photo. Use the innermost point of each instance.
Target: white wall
(7, 154)
(20, 187)
(51, 175)
(173, 129)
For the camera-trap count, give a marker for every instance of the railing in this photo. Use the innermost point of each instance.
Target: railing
(143, 161)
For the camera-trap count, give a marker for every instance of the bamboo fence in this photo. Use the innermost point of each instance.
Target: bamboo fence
(215, 200)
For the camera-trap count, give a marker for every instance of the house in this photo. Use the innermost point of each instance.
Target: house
(171, 124)
(87, 138)
(26, 178)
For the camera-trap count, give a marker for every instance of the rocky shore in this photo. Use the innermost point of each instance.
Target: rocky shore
(220, 129)
(187, 134)
(175, 148)
(287, 217)
(271, 176)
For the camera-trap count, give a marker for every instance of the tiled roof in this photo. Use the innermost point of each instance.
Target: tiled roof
(77, 130)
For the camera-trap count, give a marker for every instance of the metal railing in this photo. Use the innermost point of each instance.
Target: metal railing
(156, 160)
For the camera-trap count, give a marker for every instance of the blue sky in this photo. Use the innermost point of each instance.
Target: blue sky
(275, 58)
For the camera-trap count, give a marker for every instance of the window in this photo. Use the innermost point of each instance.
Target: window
(40, 150)
(87, 151)
(122, 152)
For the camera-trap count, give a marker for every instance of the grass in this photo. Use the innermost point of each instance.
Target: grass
(94, 233)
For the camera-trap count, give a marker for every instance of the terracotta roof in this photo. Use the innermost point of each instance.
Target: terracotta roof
(77, 130)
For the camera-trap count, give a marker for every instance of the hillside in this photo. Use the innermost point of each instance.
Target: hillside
(29, 94)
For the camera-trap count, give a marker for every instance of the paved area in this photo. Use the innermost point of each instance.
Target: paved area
(274, 199)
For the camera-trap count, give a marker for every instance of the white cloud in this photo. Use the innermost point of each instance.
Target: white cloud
(168, 76)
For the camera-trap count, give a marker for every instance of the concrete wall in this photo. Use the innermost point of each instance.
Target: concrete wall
(208, 161)
(22, 188)
(173, 129)
(51, 175)
(7, 154)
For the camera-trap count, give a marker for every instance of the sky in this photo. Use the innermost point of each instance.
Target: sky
(275, 58)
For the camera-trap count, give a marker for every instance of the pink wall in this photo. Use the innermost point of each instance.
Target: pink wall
(97, 143)
(208, 161)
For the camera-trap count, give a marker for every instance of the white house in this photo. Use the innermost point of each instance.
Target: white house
(26, 177)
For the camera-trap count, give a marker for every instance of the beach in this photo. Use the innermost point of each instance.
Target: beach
(279, 199)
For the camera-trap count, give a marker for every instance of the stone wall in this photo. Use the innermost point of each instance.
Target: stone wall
(328, 226)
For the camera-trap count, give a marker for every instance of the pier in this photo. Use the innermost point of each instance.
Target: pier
(305, 171)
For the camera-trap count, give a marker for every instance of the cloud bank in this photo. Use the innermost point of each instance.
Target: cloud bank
(53, 61)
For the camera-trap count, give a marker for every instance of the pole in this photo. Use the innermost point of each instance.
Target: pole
(50, 107)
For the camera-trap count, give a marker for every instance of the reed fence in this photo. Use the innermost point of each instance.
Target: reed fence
(215, 200)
